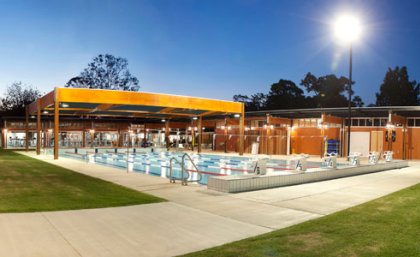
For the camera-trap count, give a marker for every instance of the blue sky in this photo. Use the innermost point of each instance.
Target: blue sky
(207, 48)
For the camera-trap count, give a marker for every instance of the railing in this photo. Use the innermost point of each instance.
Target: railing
(195, 166)
(172, 178)
(184, 178)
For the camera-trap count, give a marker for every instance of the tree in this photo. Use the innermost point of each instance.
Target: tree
(106, 72)
(285, 95)
(17, 96)
(255, 102)
(357, 101)
(397, 89)
(328, 91)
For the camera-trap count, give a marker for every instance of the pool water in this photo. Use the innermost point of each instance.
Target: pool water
(157, 163)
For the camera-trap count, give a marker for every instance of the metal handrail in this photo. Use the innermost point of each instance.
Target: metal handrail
(171, 178)
(256, 167)
(185, 181)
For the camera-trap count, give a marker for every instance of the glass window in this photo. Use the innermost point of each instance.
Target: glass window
(369, 122)
(411, 122)
(376, 122)
(355, 122)
(383, 122)
(362, 122)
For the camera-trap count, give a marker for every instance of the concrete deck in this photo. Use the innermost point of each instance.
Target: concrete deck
(194, 218)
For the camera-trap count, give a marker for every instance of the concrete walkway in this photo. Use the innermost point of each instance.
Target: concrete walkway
(194, 218)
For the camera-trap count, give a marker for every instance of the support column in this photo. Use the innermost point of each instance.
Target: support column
(3, 138)
(288, 146)
(38, 127)
(26, 129)
(226, 135)
(268, 135)
(144, 134)
(45, 132)
(167, 134)
(56, 127)
(200, 133)
(84, 138)
(404, 140)
(242, 131)
(192, 138)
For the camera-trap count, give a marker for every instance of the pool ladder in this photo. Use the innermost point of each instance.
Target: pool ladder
(184, 179)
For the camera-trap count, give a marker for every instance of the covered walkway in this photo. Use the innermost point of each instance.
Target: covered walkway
(108, 103)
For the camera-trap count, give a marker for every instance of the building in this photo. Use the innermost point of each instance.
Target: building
(277, 132)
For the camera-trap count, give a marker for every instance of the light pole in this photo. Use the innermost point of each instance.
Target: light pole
(347, 30)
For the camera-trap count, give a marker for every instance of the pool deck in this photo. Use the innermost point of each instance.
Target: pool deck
(194, 218)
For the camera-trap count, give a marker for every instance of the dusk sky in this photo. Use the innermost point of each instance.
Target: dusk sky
(206, 48)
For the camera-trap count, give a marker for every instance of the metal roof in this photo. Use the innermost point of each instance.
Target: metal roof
(377, 111)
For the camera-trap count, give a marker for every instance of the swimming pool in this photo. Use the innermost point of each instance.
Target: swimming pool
(158, 163)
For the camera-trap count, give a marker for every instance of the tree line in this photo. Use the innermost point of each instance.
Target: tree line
(106, 71)
(332, 91)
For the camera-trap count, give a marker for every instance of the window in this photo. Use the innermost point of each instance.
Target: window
(362, 122)
(369, 122)
(411, 122)
(383, 122)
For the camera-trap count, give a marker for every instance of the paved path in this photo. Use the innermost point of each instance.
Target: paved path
(194, 218)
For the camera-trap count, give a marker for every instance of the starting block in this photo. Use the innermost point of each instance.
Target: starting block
(330, 161)
(388, 156)
(373, 157)
(354, 159)
(300, 162)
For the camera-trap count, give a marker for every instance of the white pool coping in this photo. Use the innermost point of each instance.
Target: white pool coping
(244, 183)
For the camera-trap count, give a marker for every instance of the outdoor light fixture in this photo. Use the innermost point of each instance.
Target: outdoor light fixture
(252, 128)
(189, 128)
(49, 130)
(45, 112)
(322, 126)
(271, 126)
(223, 127)
(229, 127)
(347, 28)
(390, 126)
(163, 120)
(92, 131)
(195, 128)
(64, 105)
(195, 118)
(237, 115)
(32, 117)
(203, 128)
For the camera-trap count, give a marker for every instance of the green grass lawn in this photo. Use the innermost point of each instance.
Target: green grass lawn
(388, 226)
(28, 185)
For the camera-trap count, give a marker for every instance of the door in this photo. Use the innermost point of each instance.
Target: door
(377, 141)
(359, 142)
